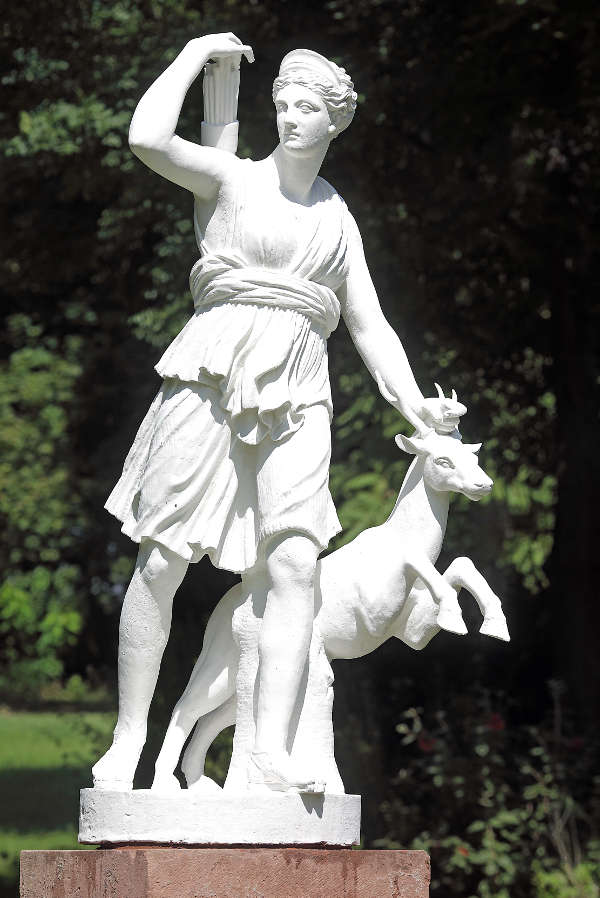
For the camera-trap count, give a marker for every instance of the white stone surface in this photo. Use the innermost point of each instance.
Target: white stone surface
(191, 819)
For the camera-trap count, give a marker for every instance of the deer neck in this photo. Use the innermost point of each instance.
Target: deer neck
(420, 512)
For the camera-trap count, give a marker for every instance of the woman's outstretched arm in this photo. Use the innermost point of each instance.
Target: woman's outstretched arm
(152, 132)
(376, 341)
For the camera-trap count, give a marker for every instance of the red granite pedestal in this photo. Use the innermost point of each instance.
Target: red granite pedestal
(156, 872)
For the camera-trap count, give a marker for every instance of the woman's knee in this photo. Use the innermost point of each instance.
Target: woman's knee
(159, 566)
(292, 558)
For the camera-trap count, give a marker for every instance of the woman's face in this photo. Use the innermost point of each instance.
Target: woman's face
(303, 120)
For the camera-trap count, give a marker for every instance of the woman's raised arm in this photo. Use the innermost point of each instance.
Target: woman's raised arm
(152, 132)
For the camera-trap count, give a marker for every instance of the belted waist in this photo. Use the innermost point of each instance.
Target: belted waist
(217, 278)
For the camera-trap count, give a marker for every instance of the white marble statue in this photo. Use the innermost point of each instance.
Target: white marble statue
(232, 459)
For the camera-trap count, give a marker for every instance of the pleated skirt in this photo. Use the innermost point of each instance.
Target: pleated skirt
(191, 484)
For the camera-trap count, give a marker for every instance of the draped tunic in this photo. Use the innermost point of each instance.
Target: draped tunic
(236, 445)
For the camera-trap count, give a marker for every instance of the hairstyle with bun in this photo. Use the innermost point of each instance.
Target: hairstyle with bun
(330, 81)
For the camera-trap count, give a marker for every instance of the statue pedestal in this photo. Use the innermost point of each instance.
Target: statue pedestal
(192, 818)
(224, 873)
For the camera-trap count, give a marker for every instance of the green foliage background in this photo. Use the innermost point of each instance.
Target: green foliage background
(472, 169)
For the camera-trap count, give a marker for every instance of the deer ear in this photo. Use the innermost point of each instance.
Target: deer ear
(473, 447)
(412, 446)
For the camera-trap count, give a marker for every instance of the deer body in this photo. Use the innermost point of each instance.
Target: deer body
(366, 582)
(382, 584)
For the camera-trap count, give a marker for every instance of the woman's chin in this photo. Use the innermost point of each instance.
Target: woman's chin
(295, 146)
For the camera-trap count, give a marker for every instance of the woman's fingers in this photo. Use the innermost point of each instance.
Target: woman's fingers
(229, 44)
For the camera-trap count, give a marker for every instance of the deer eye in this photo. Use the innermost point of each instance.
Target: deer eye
(444, 462)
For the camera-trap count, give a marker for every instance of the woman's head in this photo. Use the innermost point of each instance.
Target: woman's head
(325, 78)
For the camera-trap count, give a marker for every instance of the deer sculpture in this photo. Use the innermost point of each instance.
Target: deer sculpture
(383, 584)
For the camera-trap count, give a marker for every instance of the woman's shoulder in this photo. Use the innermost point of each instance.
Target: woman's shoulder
(327, 190)
(330, 193)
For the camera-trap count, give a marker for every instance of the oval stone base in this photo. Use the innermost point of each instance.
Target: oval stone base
(188, 818)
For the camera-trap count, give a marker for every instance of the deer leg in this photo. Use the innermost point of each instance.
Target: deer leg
(207, 730)
(211, 683)
(449, 615)
(462, 574)
(416, 624)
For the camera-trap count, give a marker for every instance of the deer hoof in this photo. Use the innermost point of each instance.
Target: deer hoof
(205, 786)
(451, 621)
(496, 627)
(165, 783)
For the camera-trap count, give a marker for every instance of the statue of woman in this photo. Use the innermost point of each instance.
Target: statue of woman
(232, 459)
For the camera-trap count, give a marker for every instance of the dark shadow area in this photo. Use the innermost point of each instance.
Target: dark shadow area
(314, 804)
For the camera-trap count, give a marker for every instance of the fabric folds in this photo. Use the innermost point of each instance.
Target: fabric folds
(236, 446)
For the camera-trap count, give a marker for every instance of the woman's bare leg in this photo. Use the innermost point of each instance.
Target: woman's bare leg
(143, 634)
(283, 650)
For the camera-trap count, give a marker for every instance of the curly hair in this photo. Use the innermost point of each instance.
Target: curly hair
(340, 99)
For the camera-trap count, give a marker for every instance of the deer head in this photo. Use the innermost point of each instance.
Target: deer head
(449, 465)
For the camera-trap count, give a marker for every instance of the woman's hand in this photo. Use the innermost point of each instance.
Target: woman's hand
(442, 413)
(220, 46)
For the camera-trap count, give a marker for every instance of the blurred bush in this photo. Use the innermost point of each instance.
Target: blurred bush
(503, 810)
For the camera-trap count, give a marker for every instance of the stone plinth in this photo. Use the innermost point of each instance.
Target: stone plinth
(190, 818)
(224, 873)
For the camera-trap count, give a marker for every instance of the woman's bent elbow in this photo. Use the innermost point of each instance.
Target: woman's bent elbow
(139, 144)
(146, 151)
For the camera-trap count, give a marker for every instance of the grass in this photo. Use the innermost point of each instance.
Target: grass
(45, 759)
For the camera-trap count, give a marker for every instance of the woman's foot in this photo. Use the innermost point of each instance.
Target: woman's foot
(115, 769)
(278, 772)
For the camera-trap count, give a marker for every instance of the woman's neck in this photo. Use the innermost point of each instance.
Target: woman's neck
(297, 174)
